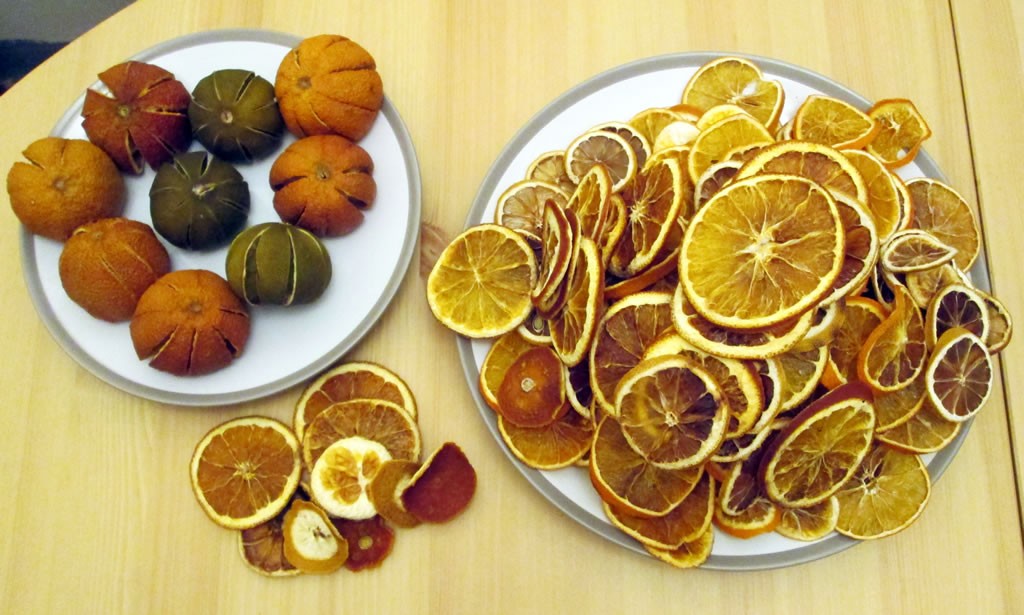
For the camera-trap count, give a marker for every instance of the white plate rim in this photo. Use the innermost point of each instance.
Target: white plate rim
(92, 364)
(831, 545)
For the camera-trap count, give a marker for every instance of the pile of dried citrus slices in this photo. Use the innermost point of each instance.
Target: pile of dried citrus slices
(728, 320)
(323, 494)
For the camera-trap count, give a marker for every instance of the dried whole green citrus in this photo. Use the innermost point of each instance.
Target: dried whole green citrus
(198, 201)
(234, 115)
(278, 263)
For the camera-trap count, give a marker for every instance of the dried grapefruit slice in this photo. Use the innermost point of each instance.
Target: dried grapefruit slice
(821, 447)
(959, 375)
(245, 471)
(443, 486)
(738, 81)
(671, 412)
(480, 285)
(895, 352)
(778, 262)
(370, 541)
(830, 121)
(943, 212)
(885, 495)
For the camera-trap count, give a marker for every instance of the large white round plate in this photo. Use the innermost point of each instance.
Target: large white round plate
(286, 345)
(619, 94)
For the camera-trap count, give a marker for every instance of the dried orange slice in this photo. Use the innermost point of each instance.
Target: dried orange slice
(577, 389)
(385, 488)
(650, 122)
(956, 305)
(713, 179)
(824, 165)
(642, 146)
(480, 285)
(689, 554)
(760, 517)
(738, 81)
(443, 486)
(521, 206)
(833, 122)
(262, 548)
(643, 280)
(883, 193)
(532, 393)
(801, 373)
(926, 431)
(369, 541)
(924, 285)
(630, 483)
(943, 212)
(590, 201)
(959, 375)
(245, 471)
(614, 228)
(500, 356)
(821, 448)
(572, 331)
(311, 542)
(895, 352)
(352, 380)
(914, 250)
(671, 412)
(374, 419)
(810, 523)
(557, 242)
(773, 267)
(885, 495)
(340, 477)
(681, 133)
(718, 141)
(902, 129)
(741, 447)
(558, 445)
(731, 343)
(686, 522)
(654, 200)
(717, 114)
(896, 408)
(549, 167)
(1000, 325)
(860, 252)
(601, 147)
(623, 334)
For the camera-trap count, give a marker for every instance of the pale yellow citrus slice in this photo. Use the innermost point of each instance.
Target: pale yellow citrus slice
(885, 495)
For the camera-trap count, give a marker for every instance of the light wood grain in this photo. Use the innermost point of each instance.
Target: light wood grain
(100, 516)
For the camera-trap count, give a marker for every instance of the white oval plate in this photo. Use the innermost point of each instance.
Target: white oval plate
(619, 94)
(286, 345)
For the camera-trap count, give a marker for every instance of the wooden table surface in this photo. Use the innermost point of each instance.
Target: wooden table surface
(99, 516)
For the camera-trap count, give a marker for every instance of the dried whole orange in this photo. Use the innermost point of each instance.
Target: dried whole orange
(144, 121)
(64, 184)
(323, 184)
(106, 265)
(329, 84)
(234, 115)
(189, 322)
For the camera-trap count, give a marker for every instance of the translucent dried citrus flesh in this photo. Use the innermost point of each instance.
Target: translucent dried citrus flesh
(443, 487)
(943, 212)
(591, 201)
(245, 471)
(374, 419)
(885, 495)
(653, 202)
(262, 548)
(883, 192)
(898, 407)
(737, 81)
(761, 251)
(860, 316)
(801, 372)
(369, 541)
(549, 167)
(830, 121)
(684, 523)
(959, 375)
(671, 412)
(719, 140)
(810, 523)
(915, 250)
(641, 145)
(630, 483)
(821, 447)
(689, 554)
(926, 431)
(480, 285)
(311, 543)
(956, 305)
(824, 165)
(895, 352)
(351, 380)
(532, 393)
(521, 206)
(558, 445)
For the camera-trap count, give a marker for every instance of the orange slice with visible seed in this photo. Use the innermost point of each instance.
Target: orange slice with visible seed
(532, 393)
(500, 356)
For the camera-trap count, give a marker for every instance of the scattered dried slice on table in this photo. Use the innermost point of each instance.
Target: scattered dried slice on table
(914, 250)
(885, 495)
(902, 129)
(689, 554)
(630, 483)
(341, 476)
(532, 393)
(374, 419)
(943, 212)
(959, 375)
(821, 447)
(352, 380)
(671, 412)
(834, 122)
(735, 81)
(480, 285)
(572, 331)
(895, 352)
(311, 543)
(245, 471)
(521, 206)
(810, 523)
(558, 445)
(686, 522)
(443, 486)
(385, 487)
(715, 143)
(601, 147)
(369, 541)
(956, 305)
(733, 273)
(262, 548)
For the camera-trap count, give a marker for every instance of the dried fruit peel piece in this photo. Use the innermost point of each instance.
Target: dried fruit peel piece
(443, 486)
(312, 543)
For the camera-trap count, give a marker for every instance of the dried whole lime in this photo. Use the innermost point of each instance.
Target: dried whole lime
(198, 201)
(277, 263)
(234, 115)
